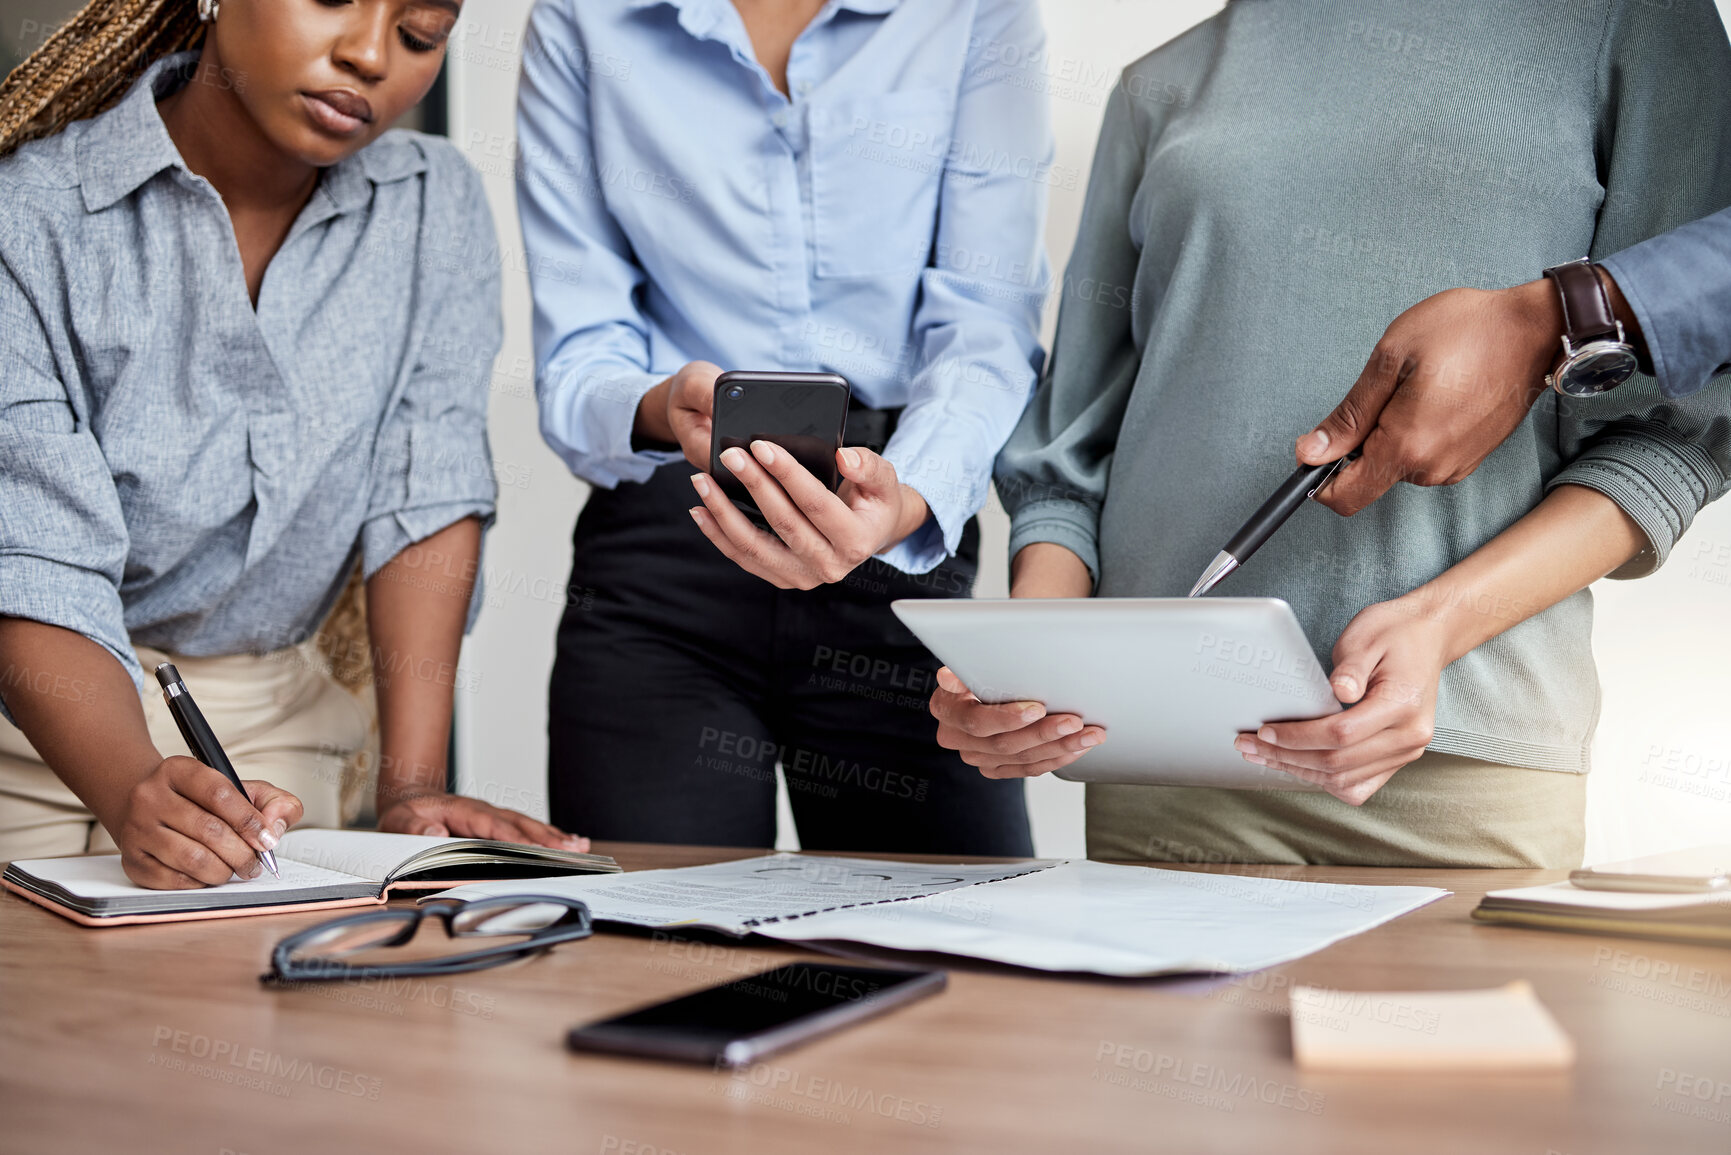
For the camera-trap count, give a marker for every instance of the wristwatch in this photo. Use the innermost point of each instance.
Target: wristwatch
(1596, 356)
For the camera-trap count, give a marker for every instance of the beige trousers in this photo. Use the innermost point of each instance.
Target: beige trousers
(280, 718)
(1440, 810)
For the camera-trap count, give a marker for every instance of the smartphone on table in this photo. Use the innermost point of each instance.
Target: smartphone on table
(803, 413)
(738, 1023)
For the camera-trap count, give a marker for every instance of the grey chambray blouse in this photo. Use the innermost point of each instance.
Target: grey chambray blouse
(180, 470)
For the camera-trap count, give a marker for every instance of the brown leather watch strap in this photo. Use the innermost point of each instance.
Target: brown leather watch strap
(1587, 314)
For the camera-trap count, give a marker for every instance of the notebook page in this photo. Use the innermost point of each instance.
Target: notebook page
(366, 853)
(101, 876)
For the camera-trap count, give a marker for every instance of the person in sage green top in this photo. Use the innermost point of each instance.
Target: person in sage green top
(1270, 190)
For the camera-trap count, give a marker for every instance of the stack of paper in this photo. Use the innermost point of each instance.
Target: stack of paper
(1065, 916)
(1701, 917)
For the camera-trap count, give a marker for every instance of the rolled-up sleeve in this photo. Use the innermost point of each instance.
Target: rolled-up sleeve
(432, 464)
(1665, 132)
(977, 327)
(63, 539)
(1052, 474)
(591, 342)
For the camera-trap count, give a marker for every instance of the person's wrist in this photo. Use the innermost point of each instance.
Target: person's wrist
(1625, 315)
(911, 517)
(1451, 620)
(1539, 310)
(111, 803)
(654, 422)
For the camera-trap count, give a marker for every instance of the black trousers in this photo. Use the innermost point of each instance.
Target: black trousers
(681, 681)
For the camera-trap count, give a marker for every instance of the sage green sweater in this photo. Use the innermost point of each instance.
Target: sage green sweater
(1274, 187)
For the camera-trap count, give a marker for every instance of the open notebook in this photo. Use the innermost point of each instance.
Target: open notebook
(320, 868)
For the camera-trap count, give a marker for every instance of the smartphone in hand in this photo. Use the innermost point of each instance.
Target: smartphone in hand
(803, 413)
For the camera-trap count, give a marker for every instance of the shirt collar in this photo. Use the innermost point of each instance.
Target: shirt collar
(129, 144)
(699, 16)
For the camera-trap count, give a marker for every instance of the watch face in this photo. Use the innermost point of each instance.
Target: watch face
(1596, 369)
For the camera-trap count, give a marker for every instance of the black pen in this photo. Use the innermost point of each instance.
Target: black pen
(201, 740)
(1304, 483)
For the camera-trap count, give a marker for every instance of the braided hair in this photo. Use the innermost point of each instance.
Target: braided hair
(87, 65)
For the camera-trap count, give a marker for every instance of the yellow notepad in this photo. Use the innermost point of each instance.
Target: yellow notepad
(1502, 1029)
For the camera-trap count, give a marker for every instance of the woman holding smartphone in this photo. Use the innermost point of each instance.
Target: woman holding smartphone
(246, 344)
(1271, 225)
(854, 187)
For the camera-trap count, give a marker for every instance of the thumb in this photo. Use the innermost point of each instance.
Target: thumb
(1353, 668)
(429, 827)
(1352, 420)
(870, 474)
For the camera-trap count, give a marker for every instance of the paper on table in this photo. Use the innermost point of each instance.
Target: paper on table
(101, 876)
(1505, 1028)
(752, 893)
(1122, 920)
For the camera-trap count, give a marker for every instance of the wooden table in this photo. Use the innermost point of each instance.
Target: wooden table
(160, 1038)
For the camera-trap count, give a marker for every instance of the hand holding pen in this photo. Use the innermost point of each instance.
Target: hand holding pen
(1304, 484)
(202, 741)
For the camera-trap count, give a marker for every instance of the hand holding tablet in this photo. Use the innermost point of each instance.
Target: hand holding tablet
(1173, 681)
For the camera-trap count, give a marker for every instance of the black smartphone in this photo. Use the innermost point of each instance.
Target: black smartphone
(804, 413)
(738, 1023)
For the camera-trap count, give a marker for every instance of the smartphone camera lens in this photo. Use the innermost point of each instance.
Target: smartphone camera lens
(734, 392)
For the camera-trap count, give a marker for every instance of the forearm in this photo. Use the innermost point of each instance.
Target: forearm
(80, 710)
(1046, 570)
(1572, 538)
(417, 604)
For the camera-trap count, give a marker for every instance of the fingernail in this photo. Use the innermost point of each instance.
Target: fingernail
(1069, 726)
(267, 839)
(763, 451)
(251, 871)
(437, 831)
(734, 458)
(1030, 713)
(1313, 443)
(949, 681)
(1256, 759)
(851, 456)
(1267, 735)
(1244, 746)
(1092, 740)
(280, 826)
(1347, 686)
(696, 514)
(701, 484)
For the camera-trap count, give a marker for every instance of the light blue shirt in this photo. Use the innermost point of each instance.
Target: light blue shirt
(884, 222)
(1679, 286)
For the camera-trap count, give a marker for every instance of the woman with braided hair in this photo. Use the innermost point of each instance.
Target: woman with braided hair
(245, 339)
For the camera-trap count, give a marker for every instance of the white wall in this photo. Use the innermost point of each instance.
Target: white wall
(1663, 756)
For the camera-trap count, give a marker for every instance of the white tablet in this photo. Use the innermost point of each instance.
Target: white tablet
(1173, 680)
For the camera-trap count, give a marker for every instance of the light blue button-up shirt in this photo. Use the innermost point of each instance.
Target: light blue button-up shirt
(883, 222)
(182, 470)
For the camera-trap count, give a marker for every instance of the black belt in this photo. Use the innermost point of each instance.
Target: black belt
(870, 428)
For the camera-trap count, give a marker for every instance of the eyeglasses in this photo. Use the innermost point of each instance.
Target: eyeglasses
(536, 922)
